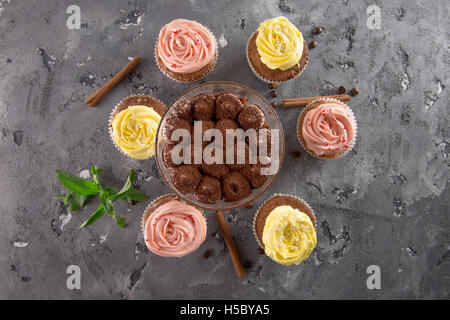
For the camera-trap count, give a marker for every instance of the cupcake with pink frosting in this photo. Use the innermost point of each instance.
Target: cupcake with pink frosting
(185, 51)
(327, 128)
(172, 228)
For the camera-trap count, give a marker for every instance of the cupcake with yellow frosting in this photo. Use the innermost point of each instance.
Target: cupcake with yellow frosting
(277, 52)
(285, 227)
(133, 125)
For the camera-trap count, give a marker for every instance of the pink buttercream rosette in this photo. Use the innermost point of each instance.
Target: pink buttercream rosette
(327, 128)
(185, 50)
(172, 228)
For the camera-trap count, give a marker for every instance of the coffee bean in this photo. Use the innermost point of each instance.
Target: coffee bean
(273, 94)
(207, 254)
(249, 205)
(342, 90)
(312, 44)
(248, 264)
(296, 154)
(260, 251)
(318, 30)
(274, 104)
(354, 92)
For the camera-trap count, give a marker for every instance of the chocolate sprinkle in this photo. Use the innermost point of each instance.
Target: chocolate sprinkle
(342, 90)
(248, 264)
(274, 104)
(273, 94)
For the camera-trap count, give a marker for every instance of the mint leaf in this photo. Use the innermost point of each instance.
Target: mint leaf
(75, 184)
(96, 171)
(107, 205)
(100, 211)
(132, 195)
(65, 198)
(127, 193)
(94, 217)
(77, 201)
(126, 187)
(82, 190)
(109, 191)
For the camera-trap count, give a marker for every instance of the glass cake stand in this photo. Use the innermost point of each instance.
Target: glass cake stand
(272, 121)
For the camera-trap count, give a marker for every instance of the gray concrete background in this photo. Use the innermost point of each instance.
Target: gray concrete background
(386, 203)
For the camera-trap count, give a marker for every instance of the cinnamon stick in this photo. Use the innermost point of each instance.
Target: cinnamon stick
(100, 93)
(231, 245)
(297, 102)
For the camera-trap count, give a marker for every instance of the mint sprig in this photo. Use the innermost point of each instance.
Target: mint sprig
(80, 191)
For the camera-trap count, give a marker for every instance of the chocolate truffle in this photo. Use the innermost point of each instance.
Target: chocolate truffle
(215, 170)
(171, 124)
(209, 190)
(235, 165)
(186, 178)
(206, 124)
(254, 176)
(235, 186)
(184, 110)
(192, 160)
(225, 124)
(268, 140)
(228, 106)
(167, 156)
(204, 106)
(251, 117)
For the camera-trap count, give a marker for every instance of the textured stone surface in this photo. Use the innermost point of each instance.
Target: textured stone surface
(386, 203)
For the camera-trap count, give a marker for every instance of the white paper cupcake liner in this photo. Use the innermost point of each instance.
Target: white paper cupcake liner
(155, 51)
(115, 111)
(325, 100)
(280, 195)
(260, 77)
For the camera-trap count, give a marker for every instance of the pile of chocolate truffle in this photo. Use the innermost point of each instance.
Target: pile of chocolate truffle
(212, 182)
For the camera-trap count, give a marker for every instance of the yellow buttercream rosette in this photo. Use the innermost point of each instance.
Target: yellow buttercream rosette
(134, 131)
(279, 43)
(289, 235)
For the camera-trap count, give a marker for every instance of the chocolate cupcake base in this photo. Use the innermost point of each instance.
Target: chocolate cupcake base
(268, 75)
